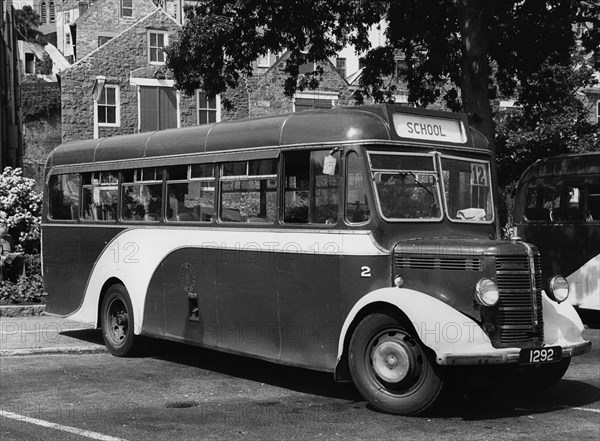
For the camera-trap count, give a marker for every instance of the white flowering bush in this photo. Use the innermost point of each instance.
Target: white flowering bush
(20, 209)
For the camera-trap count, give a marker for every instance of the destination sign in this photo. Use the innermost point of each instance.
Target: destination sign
(430, 128)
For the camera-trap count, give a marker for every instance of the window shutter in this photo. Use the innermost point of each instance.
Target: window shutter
(148, 109)
(168, 108)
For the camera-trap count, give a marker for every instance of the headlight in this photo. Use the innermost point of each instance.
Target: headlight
(558, 289)
(486, 292)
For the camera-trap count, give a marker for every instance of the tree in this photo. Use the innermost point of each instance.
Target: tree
(448, 44)
(26, 24)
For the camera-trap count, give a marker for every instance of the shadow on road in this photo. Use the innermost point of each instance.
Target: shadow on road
(468, 394)
(476, 398)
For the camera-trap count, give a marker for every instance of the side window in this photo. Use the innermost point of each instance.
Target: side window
(100, 196)
(249, 191)
(142, 194)
(63, 197)
(310, 195)
(593, 203)
(549, 202)
(191, 193)
(357, 207)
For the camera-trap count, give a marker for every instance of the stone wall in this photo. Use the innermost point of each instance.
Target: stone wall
(263, 94)
(104, 18)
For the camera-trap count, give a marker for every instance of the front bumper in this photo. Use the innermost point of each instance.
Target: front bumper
(505, 356)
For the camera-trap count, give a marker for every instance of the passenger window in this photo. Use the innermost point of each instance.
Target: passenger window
(249, 191)
(310, 195)
(191, 193)
(357, 207)
(593, 203)
(554, 203)
(64, 196)
(100, 196)
(142, 194)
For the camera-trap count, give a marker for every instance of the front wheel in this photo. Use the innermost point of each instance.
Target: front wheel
(390, 367)
(117, 321)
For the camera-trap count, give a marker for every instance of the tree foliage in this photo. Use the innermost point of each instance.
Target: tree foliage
(447, 45)
(27, 22)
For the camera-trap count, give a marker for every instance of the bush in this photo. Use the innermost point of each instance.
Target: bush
(20, 209)
(39, 100)
(28, 289)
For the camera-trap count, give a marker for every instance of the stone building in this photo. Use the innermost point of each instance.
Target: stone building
(123, 87)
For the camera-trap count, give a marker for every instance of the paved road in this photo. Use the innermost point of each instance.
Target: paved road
(180, 392)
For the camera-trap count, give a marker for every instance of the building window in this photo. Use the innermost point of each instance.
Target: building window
(156, 47)
(108, 106)
(158, 108)
(305, 101)
(126, 8)
(209, 109)
(103, 39)
(340, 66)
(52, 15)
(29, 63)
(43, 13)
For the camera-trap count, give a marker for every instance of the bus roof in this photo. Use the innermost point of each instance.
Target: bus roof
(561, 165)
(343, 124)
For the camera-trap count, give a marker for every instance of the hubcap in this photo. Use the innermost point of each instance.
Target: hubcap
(119, 321)
(391, 358)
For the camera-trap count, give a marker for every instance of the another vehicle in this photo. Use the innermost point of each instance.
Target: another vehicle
(358, 241)
(557, 208)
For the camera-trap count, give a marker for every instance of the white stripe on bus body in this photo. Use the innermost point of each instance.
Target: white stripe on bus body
(134, 255)
(584, 285)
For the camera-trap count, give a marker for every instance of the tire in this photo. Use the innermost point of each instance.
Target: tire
(117, 321)
(391, 368)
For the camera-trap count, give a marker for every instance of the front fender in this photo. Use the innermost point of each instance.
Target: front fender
(562, 324)
(456, 338)
(440, 327)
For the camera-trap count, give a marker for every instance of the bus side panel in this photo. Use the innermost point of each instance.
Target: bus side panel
(316, 294)
(189, 297)
(309, 293)
(247, 302)
(565, 250)
(69, 254)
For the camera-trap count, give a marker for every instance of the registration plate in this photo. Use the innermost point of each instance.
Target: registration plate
(540, 355)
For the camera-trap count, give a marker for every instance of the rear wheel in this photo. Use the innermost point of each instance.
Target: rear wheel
(117, 321)
(390, 367)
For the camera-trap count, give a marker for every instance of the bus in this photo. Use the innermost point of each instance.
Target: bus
(557, 208)
(358, 241)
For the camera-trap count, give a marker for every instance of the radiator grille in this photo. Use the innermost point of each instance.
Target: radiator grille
(458, 263)
(520, 304)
